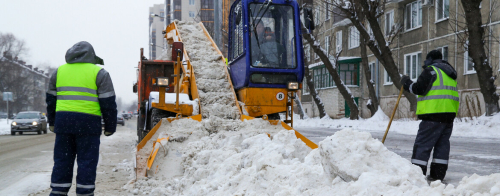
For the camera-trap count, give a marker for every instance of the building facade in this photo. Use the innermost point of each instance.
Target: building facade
(156, 25)
(424, 25)
(28, 85)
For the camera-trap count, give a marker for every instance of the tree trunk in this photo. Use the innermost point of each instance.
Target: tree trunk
(302, 114)
(477, 51)
(314, 93)
(373, 104)
(379, 46)
(332, 69)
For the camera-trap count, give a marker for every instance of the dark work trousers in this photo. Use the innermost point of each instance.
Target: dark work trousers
(432, 135)
(85, 148)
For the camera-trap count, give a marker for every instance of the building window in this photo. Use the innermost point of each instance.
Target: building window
(369, 29)
(307, 53)
(322, 78)
(413, 16)
(349, 73)
(237, 48)
(191, 14)
(338, 41)
(387, 78)
(305, 88)
(469, 63)
(442, 10)
(316, 16)
(353, 37)
(412, 64)
(444, 51)
(372, 68)
(389, 22)
(191, 2)
(327, 11)
(316, 56)
(327, 45)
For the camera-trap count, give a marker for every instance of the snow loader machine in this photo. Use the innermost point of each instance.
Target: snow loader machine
(264, 68)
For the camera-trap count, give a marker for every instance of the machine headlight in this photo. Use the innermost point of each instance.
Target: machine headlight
(293, 85)
(35, 123)
(161, 82)
(14, 123)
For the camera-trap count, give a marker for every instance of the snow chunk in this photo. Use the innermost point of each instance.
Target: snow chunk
(350, 154)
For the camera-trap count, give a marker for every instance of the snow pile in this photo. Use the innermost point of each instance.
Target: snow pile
(488, 125)
(216, 95)
(349, 154)
(379, 116)
(5, 126)
(483, 126)
(206, 159)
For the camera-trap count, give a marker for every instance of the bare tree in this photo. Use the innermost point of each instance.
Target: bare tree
(314, 93)
(331, 66)
(11, 45)
(376, 41)
(476, 46)
(373, 103)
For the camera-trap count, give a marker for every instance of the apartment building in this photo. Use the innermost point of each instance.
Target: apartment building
(156, 26)
(425, 25)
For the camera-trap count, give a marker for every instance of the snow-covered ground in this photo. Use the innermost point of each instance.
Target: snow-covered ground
(4, 126)
(245, 160)
(480, 127)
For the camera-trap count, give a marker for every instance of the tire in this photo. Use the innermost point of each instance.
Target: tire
(275, 116)
(13, 133)
(123, 124)
(20, 133)
(45, 131)
(39, 132)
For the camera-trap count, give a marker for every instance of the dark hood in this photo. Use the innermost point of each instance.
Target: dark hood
(443, 65)
(82, 52)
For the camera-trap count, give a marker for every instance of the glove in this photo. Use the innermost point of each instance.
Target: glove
(51, 128)
(108, 133)
(406, 82)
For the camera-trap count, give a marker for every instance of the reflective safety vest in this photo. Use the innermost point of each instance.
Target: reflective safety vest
(77, 89)
(442, 98)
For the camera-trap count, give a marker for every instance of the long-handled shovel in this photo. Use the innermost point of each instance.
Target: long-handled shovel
(392, 116)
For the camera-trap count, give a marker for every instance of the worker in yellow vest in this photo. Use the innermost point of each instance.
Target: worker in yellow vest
(80, 93)
(437, 107)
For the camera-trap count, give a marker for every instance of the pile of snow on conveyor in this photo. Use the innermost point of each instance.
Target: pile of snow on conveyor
(216, 94)
(249, 162)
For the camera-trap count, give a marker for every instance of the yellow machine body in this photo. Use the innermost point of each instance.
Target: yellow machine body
(263, 101)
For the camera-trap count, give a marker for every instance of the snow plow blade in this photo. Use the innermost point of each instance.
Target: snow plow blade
(145, 165)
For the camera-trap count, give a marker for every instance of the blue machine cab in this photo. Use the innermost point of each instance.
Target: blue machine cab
(265, 54)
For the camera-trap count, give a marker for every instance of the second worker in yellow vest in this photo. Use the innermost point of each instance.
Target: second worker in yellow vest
(437, 106)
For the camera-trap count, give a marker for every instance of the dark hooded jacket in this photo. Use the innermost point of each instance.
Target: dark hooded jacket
(82, 123)
(424, 85)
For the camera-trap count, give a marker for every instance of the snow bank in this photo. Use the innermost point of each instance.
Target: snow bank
(240, 158)
(481, 127)
(5, 126)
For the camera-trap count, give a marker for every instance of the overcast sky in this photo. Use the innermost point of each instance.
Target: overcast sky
(116, 28)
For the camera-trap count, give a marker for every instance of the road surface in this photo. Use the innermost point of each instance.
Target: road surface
(26, 163)
(467, 155)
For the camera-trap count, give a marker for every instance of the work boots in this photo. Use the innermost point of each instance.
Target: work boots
(438, 171)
